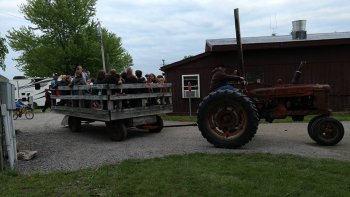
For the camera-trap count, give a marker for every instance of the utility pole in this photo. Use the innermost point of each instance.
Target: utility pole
(99, 32)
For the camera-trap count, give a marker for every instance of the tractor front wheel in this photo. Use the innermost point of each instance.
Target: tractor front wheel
(326, 131)
(312, 121)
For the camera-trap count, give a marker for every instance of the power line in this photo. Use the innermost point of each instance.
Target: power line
(6, 14)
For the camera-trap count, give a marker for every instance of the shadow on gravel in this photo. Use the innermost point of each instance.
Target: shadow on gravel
(98, 132)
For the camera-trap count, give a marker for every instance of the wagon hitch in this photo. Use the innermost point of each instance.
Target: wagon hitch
(181, 125)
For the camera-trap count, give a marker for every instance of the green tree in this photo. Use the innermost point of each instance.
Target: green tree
(3, 52)
(187, 56)
(64, 35)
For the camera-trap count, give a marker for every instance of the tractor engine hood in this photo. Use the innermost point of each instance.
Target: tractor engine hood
(289, 90)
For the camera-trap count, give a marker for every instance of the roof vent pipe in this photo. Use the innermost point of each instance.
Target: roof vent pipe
(299, 30)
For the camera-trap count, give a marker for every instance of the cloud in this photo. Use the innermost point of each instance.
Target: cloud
(153, 30)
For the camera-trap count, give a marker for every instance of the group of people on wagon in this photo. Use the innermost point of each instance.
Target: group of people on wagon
(112, 77)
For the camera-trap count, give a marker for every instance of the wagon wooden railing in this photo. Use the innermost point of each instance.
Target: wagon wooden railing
(107, 102)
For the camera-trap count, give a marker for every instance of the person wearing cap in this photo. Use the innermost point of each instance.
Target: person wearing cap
(220, 79)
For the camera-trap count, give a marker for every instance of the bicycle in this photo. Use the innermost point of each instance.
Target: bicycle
(27, 111)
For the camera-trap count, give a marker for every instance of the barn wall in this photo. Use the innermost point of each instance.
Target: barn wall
(325, 65)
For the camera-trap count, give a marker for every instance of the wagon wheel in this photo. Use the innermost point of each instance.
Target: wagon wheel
(327, 131)
(227, 119)
(154, 127)
(74, 124)
(116, 130)
(158, 125)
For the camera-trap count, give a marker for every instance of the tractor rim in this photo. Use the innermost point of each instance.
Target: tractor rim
(228, 120)
(328, 131)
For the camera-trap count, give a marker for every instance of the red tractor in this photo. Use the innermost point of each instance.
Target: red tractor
(230, 118)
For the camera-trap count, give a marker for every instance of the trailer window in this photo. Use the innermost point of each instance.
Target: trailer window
(37, 84)
(190, 86)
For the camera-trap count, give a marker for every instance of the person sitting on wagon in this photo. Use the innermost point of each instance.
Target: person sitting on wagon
(131, 79)
(112, 78)
(150, 80)
(161, 80)
(140, 78)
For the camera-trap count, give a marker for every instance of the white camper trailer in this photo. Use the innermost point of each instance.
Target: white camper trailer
(34, 86)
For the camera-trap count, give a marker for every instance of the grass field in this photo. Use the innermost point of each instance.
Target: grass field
(192, 175)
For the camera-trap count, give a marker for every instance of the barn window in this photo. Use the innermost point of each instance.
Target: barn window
(190, 86)
(255, 77)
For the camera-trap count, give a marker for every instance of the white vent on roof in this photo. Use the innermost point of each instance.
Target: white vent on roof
(299, 25)
(299, 30)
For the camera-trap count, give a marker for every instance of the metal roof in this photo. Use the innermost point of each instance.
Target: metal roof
(277, 39)
(226, 44)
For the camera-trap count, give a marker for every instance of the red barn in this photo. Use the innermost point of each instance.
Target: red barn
(266, 60)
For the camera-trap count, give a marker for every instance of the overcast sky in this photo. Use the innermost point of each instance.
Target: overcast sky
(152, 30)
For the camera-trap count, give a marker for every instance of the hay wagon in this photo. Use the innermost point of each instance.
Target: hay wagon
(119, 106)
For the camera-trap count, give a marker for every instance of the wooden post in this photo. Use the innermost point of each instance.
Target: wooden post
(109, 102)
(189, 85)
(10, 135)
(81, 101)
(239, 43)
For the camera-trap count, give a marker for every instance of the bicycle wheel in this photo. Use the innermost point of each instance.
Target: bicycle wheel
(15, 115)
(29, 114)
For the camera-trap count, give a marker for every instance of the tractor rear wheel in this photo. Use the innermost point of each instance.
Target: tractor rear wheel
(327, 131)
(227, 119)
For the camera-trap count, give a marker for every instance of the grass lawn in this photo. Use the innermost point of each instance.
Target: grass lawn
(192, 175)
(339, 116)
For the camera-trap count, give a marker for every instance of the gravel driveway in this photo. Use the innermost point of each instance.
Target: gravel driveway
(60, 149)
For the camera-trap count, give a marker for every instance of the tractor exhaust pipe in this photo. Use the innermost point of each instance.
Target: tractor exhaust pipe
(239, 44)
(297, 74)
